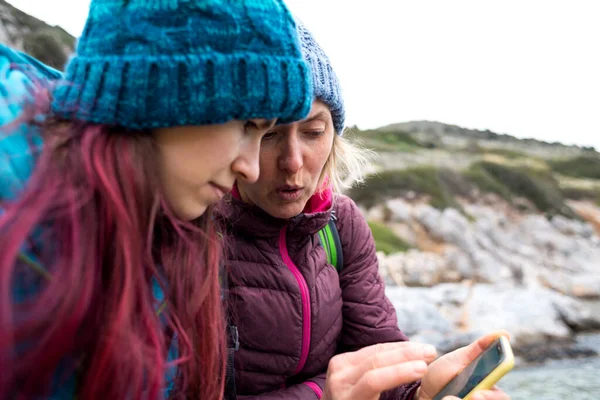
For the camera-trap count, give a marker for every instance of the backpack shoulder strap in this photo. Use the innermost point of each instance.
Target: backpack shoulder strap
(330, 240)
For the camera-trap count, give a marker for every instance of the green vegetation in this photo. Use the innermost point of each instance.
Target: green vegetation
(539, 187)
(386, 240)
(580, 189)
(473, 147)
(486, 182)
(440, 185)
(387, 141)
(443, 186)
(511, 173)
(507, 153)
(578, 167)
(590, 194)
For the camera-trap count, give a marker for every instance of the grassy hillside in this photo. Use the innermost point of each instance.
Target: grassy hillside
(386, 240)
(50, 44)
(545, 182)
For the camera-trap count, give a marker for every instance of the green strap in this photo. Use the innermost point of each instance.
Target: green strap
(324, 243)
(329, 245)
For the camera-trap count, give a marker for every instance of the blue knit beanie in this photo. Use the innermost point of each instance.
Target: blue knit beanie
(158, 63)
(326, 86)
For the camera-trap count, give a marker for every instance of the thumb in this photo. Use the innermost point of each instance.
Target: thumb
(465, 355)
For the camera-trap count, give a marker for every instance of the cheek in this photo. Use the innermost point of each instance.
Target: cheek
(268, 165)
(319, 156)
(219, 154)
(171, 166)
(190, 167)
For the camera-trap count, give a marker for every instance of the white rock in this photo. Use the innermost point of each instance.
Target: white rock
(528, 314)
(400, 210)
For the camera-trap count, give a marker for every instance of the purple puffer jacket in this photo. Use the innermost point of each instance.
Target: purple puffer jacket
(292, 310)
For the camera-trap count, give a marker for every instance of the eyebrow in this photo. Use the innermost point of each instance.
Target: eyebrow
(320, 115)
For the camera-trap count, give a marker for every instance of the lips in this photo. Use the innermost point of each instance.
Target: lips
(220, 190)
(289, 192)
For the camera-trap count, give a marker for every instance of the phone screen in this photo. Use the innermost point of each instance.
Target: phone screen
(474, 373)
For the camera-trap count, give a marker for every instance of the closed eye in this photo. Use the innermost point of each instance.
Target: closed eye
(269, 135)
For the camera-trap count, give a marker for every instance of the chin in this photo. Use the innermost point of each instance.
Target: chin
(286, 211)
(191, 215)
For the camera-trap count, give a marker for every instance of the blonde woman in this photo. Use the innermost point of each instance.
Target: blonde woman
(294, 309)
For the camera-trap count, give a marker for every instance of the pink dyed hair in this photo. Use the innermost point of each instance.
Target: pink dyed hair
(106, 231)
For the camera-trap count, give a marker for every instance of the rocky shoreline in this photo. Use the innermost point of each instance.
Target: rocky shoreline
(495, 268)
(543, 324)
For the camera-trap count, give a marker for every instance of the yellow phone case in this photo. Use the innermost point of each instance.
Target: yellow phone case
(502, 369)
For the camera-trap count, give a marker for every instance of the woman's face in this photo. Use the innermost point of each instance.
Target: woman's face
(292, 158)
(199, 164)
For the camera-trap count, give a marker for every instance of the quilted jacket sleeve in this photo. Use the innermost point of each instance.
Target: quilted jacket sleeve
(20, 76)
(369, 316)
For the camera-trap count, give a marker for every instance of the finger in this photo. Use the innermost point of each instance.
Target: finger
(382, 359)
(375, 381)
(492, 394)
(352, 366)
(465, 355)
(356, 357)
(484, 342)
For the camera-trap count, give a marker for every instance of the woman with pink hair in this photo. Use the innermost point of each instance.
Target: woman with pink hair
(108, 257)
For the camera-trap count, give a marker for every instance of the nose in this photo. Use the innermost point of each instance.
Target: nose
(246, 165)
(290, 159)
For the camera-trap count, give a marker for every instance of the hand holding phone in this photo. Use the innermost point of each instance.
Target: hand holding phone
(459, 373)
(482, 373)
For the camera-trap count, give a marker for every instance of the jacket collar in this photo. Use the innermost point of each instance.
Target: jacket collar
(252, 220)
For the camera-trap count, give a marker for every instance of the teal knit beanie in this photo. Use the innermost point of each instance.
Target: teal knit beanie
(326, 85)
(158, 63)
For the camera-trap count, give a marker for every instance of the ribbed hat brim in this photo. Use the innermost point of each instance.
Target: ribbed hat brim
(162, 91)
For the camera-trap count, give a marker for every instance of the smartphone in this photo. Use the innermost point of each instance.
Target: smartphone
(482, 373)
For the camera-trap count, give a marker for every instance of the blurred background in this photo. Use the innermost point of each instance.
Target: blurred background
(484, 197)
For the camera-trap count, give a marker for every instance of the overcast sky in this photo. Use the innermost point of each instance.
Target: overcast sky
(530, 68)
